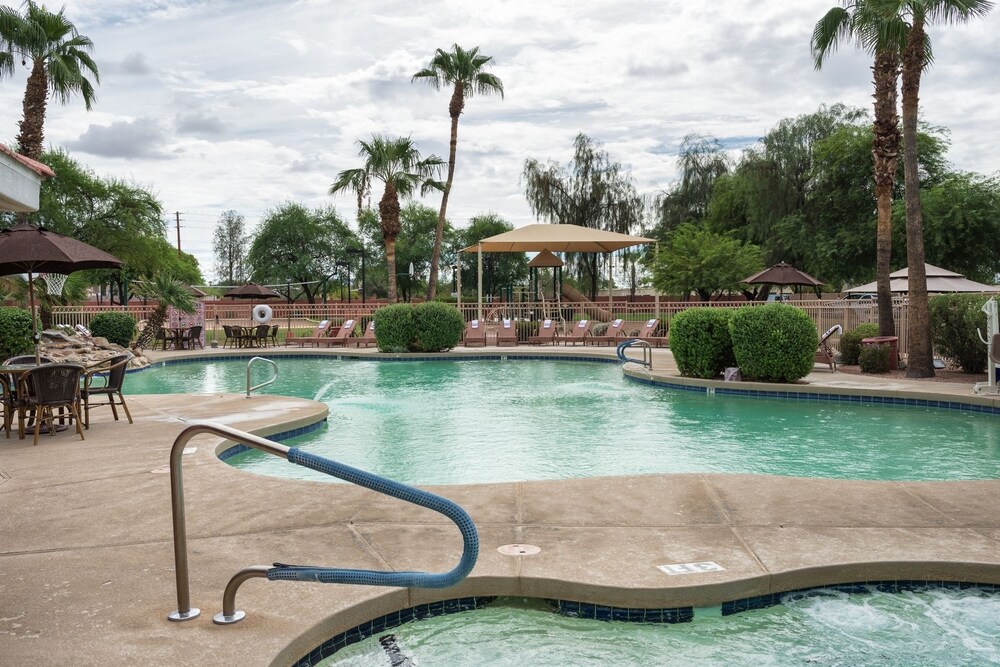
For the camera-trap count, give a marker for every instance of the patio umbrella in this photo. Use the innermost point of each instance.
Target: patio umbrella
(29, 249)
(252, 291)
(782, 274)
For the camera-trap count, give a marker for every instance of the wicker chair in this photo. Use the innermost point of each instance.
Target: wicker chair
(113, 374)
(43, 389)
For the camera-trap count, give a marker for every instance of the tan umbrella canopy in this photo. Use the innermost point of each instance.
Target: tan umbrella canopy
(252, 291)
(553, 238)
(782, 274)
(939, 281)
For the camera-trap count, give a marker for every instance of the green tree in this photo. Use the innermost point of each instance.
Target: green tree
(884, 38)
(229, 242)
(695, 259)
(60, 62)
(416, 244)
(168, 292)
(592, 191)
(499, 268)
(295, 244)
(465, 71)
(702, 161)
(397, 163)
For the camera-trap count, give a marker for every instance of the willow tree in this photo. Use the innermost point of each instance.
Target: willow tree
(465, 72)
(59, 57)
(591, 191)
(396, 162)
(883, 37)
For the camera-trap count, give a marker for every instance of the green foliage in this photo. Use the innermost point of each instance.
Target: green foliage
(874, 358)
(954, 321)
(773, 343)
(698, 260)
(437, 327)
(118, 328)
(850, 342)
(702, 161)
(701, 342)
(395, 329)
(499, 268)
(15, 332)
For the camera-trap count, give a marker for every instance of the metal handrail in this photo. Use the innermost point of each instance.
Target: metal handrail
(647, 352)
(229, 614)
(262, 384)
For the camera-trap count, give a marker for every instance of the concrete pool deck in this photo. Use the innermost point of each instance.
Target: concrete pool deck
(86, 552)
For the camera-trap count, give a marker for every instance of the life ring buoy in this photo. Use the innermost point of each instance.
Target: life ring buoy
(262, 313)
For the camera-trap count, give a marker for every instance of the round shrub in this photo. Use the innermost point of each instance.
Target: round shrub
(773, 343)
(954, 321)
(437, 327)
(874, 358)
(701, 342)
(15, 332)
(850, 342)
(394, 328)
(118, 328)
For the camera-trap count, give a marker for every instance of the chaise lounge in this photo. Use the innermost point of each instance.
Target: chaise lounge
(316, 337)
(507, 334)
(614, 334)
(648, 334)
(546, 334)
(475, 334)
(578, 334)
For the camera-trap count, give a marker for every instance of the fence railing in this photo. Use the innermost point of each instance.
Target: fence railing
(297, 316)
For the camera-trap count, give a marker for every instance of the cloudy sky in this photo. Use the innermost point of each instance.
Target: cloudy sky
(246, 104)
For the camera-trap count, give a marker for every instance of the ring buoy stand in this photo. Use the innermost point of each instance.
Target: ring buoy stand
(262, 313)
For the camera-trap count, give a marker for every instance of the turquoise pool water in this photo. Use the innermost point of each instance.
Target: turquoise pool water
(935, 627)
(496, 421)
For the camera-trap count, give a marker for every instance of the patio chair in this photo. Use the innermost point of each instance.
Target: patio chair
(824, 353)
(234, 336)
(43, 389)
(507, 334)
(193, 337)
(343, 334)
(578, 334)
(26, 359)
(113, 374)
(648, 333)
(546, 334)
(318, 333)
(475, 334)
(260, 335)
(160, 339)
(613, 334)
(273, 335)
(368, 338)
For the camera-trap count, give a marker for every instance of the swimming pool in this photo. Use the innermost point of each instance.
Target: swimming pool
(444, 422)
(825, 627)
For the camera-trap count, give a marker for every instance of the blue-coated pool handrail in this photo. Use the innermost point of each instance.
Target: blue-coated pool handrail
(280, 571)
(647, 352)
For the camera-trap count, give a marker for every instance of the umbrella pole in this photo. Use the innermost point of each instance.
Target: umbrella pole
(611, 277)
(34, 326)
(479, 270)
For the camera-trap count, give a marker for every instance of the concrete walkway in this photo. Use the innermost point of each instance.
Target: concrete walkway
(87, 567)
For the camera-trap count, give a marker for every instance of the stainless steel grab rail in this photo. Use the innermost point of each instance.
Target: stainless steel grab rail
(647, 352)
(262, 384)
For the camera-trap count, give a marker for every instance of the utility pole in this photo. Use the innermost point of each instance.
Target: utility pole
(177, 216)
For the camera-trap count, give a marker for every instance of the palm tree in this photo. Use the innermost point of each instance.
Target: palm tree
(397, 163)
(464, 71)
(915, 57)
(884, 37)
(168, 292)
(60, 64)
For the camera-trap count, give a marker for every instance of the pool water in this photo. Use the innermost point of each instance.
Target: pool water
(930, 627)
(447, 422)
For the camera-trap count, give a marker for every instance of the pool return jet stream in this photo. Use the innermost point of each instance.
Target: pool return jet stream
(326, 575)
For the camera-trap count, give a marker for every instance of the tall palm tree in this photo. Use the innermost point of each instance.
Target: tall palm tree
(397, 163)
(60, 63)
(168, 292)
(916, 57)
(465, 72)
(884, 37)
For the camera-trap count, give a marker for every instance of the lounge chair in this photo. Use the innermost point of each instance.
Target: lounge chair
(43, 389)
(648, 333)
(343, 334)
(507, 333)
(475, 334)
(368, 338)
(614, 334)
(112, 389)
(578, 334)
(318, 335)
(825, 353)
(546, 334)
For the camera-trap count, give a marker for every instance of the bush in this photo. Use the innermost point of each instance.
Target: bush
(850, 343)
(437, 327)
(394, 328)
(118, 328)
(954, 320)
(15, 332)
(701, 342)
(874, 358)
(774, 342)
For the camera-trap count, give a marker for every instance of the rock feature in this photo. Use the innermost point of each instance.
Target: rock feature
(72, 347)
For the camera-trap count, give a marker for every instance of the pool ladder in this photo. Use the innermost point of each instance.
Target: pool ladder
(647, 352)
(262, 384)
(280, 571)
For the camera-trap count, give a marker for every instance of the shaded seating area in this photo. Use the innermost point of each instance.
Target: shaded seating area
(546, 334)
(44, 389)
(615, 333)
(104, 383)
(315, 338)
(507, 333)
(578, 334)
(475, 334)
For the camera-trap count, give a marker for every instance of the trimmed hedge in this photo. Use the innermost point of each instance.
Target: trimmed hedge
(118, 328)
(954, 321)
(850, 342)
(15, 332)
(437, 327)
(773, 343)
(701, 342)
(394, 328)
